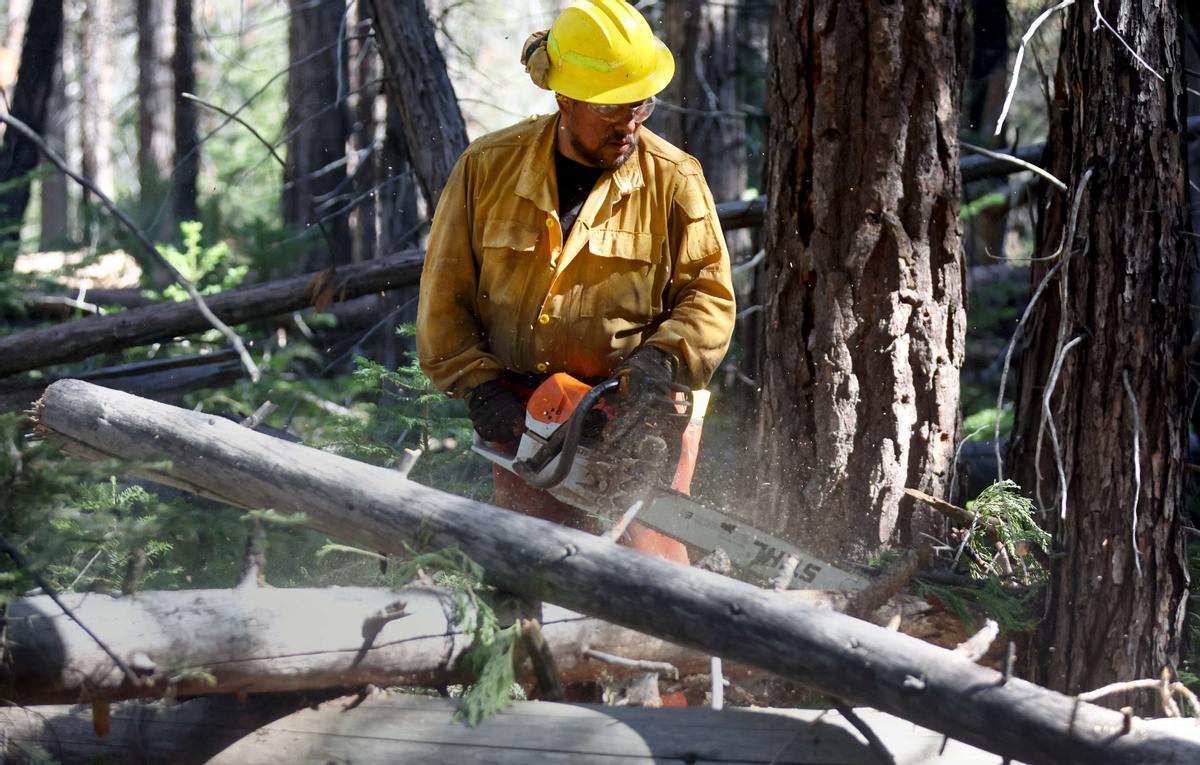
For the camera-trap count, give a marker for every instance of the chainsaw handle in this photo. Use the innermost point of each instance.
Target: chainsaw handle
(562, 444)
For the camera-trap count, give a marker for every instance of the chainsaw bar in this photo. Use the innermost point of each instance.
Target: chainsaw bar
(552, 455)
(749, 549)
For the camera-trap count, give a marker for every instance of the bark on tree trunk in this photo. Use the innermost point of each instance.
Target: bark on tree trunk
(419, 87)
(315, 178)
(380, 509)
(18, 156)
(185, 205)
(865, 320)
(1102, 408)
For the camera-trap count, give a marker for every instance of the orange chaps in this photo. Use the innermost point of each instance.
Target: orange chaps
(512, 493)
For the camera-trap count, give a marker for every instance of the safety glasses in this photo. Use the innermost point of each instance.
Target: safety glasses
(638, 112)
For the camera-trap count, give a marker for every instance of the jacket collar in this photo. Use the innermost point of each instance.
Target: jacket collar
(539, 185)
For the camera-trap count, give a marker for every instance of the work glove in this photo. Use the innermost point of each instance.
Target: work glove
(496, 413)
(648, 371)
(645, 394)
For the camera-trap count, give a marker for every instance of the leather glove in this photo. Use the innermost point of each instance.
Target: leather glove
(496, 413)
(648, 370)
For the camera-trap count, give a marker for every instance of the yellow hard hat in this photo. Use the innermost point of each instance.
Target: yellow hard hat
(603, 52)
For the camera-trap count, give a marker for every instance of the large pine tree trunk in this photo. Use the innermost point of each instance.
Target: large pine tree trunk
(1106, 353)
(864, 318)
(187, 133)
(18, 155)
(420, 89)
(317, 129)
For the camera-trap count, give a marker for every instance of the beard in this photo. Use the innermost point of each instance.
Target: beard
(600, 156)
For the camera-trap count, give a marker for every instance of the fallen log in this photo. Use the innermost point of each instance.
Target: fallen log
(381, 510)
(403, 728)
(257, 640)
(75, 340)
(179, 733)
(160, 379)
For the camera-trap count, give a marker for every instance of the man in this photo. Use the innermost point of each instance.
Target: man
(577, 242)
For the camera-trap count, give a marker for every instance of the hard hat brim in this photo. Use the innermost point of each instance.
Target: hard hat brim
(625, 93)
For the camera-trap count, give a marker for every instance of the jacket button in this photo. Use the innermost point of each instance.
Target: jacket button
(549, 222)
(544, 319)
(542, 366)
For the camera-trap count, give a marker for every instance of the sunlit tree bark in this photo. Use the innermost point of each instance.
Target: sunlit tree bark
(1102, 409)
(864, 314)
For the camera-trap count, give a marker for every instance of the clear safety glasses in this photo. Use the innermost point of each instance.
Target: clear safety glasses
(638, 112)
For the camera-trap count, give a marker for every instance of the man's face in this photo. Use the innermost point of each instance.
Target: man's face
(602, 136)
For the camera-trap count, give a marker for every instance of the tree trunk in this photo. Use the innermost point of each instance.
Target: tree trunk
(985, 88)
(96, 99)
(18, 155)
(419, 87)
(185, 204)
(865, 317)
(56, 226)
(99, 334)
(1102, 408)
(366, 138)
(315, 184)
(400, 227)
(701, 113)
(379, 509)
(154, 139)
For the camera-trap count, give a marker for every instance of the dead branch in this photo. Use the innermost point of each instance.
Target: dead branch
(545, 671)
(872, 740)
(660, 667)
(885, 585)
(976, 646)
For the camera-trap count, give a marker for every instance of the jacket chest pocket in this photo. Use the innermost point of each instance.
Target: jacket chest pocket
(507, 255)
(622, 275)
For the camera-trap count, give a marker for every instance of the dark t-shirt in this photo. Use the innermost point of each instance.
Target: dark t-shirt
(575, 182)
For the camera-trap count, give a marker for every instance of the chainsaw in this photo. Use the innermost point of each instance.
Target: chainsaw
(589, 450)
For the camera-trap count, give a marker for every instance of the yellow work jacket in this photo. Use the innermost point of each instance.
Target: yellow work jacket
(645, 262)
